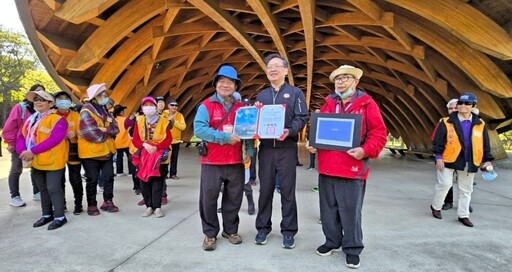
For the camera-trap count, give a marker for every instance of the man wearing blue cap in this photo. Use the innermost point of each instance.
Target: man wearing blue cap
(461, 144)
(222, 163)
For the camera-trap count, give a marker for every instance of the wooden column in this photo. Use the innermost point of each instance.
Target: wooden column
(497, 149)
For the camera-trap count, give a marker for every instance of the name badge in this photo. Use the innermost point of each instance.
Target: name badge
(45, 130)
(72, 123)
(227, 128)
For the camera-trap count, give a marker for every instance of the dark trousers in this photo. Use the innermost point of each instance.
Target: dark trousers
(212, 176)
(163, 173)
(135, 179)
(152, 189)
(119, 160)
(341, 203)
(92, 169)
(281, 162)
(52, 195)
(75, 179)
(312, 160)
(173, 167)
(252, 169)
(14, 176)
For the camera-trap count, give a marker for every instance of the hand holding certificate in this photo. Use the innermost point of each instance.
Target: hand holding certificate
(265, 122)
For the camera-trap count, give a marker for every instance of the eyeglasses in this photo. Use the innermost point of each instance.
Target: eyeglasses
(39, 99)
(274, 67)
(453, 108)
(173, 105)
(467, 103)
(343, 78)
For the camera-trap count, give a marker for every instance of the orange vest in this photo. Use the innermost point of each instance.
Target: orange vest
(73, 119)
(123, 138)
(54, 158)
(87, 150)
(158, 135)
(453, 146)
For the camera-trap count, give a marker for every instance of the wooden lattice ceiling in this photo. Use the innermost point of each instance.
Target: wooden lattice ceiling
(416, 54)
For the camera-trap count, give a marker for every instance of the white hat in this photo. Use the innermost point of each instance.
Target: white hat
(346, 69)
(43, 94)
(94, 90)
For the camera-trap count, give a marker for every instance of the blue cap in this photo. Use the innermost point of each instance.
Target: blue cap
(229, 72)
(158, 98)
(467, 97)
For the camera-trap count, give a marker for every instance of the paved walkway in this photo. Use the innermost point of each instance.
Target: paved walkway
(400, 233)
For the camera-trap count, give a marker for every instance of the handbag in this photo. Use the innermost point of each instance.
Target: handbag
(201, 147)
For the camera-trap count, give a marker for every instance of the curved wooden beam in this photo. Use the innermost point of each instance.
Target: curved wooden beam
(475, 64)
(115, 28)
(465, 22)
(226, 21)
(307, 13)
(79, 11)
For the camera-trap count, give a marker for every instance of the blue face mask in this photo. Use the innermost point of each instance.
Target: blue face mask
(104, 101)
(63, 104)
(346, 94)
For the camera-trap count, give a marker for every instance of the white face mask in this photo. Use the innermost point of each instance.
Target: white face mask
(149, 110)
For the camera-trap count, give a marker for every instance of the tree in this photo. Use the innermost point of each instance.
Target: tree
(19, 69)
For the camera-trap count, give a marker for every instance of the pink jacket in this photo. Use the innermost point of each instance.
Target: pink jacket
(14, 124)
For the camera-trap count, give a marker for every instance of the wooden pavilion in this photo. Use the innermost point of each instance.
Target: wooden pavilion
(416, 54)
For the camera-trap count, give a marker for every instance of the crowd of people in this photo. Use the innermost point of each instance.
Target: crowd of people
(45, 133)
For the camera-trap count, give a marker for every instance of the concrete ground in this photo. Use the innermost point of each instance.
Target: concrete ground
(400, 233)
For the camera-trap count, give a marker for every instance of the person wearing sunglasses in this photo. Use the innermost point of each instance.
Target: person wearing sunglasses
(461, 144)
(42, 146)
(178, 125)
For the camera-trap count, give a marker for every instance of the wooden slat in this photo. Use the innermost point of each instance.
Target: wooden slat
(465, 22)
(115, 28)
(79, 11)
(268, 20)
(58, 44)
(307, 13)
(475, 64)
(231, 25)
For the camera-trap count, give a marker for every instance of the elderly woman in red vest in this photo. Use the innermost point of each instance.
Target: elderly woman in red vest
(152, 135)
(42, 146)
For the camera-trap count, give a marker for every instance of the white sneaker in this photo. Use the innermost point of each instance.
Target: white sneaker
(17, 202)
(37, 197)
(100, 189)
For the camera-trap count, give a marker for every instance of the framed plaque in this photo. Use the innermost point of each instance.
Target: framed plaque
(265, 122)
(335, 131)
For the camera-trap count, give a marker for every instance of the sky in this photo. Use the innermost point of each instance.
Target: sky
(9, 16)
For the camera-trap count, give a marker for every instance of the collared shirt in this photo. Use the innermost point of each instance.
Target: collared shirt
(465, 123)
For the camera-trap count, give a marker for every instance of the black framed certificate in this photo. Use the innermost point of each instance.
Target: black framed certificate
(265, 122)
(335, 131)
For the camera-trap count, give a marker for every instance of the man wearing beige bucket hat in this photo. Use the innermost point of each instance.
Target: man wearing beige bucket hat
(96, 147)
(343, 174)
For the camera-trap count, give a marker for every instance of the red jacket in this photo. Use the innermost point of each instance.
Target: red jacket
(221, 154)
(373, 136)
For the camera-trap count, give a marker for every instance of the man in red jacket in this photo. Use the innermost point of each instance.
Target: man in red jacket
(342, 174)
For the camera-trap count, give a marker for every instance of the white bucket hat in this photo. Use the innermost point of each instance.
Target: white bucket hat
(346, 69)
(94, 90)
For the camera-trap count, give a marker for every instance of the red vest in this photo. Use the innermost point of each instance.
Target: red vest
(226, 153)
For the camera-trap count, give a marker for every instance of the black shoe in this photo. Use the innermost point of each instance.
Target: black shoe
(43, 221)
(57, 224)
(78, 210)
(299, 164)
(352, 261)
(466, 222)
(436, 213)
(324, 250)
(447, 206)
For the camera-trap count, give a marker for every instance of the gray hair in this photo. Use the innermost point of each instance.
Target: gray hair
(453, 101)
(275, 55)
